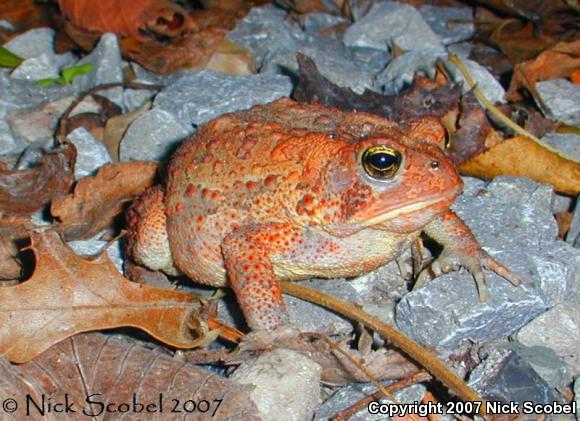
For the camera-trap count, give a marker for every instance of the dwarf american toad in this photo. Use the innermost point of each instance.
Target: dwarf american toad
(288, 191)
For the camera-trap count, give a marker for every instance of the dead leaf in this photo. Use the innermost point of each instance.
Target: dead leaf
(424, 97)
(98, 199)
(26, 191)
(474, 128)
(116, 127)
(23, 15)
(128, 18)
(520, 156)
(68, 294)
(560, 61)
(117, 371)
(190, 52)
(12, 231)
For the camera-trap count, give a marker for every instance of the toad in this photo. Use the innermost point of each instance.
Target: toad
(289, 191)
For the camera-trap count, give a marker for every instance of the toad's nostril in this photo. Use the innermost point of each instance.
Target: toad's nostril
(435, 165)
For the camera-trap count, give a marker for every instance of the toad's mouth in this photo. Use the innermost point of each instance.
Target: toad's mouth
(412, 208)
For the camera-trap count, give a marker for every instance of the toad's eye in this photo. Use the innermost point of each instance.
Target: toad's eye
(381, 162)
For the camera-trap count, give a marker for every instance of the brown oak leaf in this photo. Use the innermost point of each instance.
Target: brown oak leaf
(98, 199)
(117, 372)
(68, 294)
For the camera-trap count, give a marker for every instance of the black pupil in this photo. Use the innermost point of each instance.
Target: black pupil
(382, 161)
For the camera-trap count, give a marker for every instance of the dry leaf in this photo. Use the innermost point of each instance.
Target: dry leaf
(12, 232)
(98, 199)
(560, 61)
(137, 19)
(424, 97)
(117, 371)
(26, 191)
(474, 128)
(520, 156)
(116, 127)
(68, 294)
(189, 52)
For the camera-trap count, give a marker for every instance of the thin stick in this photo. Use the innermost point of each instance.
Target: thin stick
(404, 343)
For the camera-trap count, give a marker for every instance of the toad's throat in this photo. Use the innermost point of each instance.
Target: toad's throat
(408, 209)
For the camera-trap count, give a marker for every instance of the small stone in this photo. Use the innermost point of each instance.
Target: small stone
(400, 72)
(507, 377)
(152, 136)
(8, 143)
(561, 99)
(451, 24)
(390, 24)
(265, 31)
(201, 97)
(287, 384)
(91, 154)
(573, 235)
(334, 61)
(36, 68)
(313, 318)
(107, 68)
(557, 329)
(94, 247)
(565, 143)
(315, 23)
(32, 43)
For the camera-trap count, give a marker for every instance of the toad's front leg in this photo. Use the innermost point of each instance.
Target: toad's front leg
(247, 256)
(461, 249)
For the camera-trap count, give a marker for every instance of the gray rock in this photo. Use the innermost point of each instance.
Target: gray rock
(265, 31)
(565, 143)
(287, 384)
(543, 360)
(557, 329)
(94, 247)
(348, 395)
(36, 68)
(91, 154)
(445, 22)
(512, 220)
(561, 99)
(573, 235)
(400, 71)
(136, 98)
(8, 143)
(390, 23)
(152, 136)
(335, 61)
(316, 22)
(37, 126)
(107, 68)
(198, 98)
(312, 318)
(4, 24)
(505, 376)
(32, 43)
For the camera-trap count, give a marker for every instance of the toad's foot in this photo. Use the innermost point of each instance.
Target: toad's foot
(461, 249)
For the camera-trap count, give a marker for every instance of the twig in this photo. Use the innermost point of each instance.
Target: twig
(454, 58)
(404, 343)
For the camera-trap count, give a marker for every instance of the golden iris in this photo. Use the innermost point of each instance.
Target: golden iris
(381, 162)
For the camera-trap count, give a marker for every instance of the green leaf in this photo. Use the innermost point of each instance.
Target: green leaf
(8, 58)
(69, 74)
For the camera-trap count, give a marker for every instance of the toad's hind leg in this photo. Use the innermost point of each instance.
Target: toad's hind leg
(248, 260)
(147, 241)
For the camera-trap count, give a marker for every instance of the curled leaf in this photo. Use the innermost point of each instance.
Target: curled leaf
(26, 191)
(98, 199)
